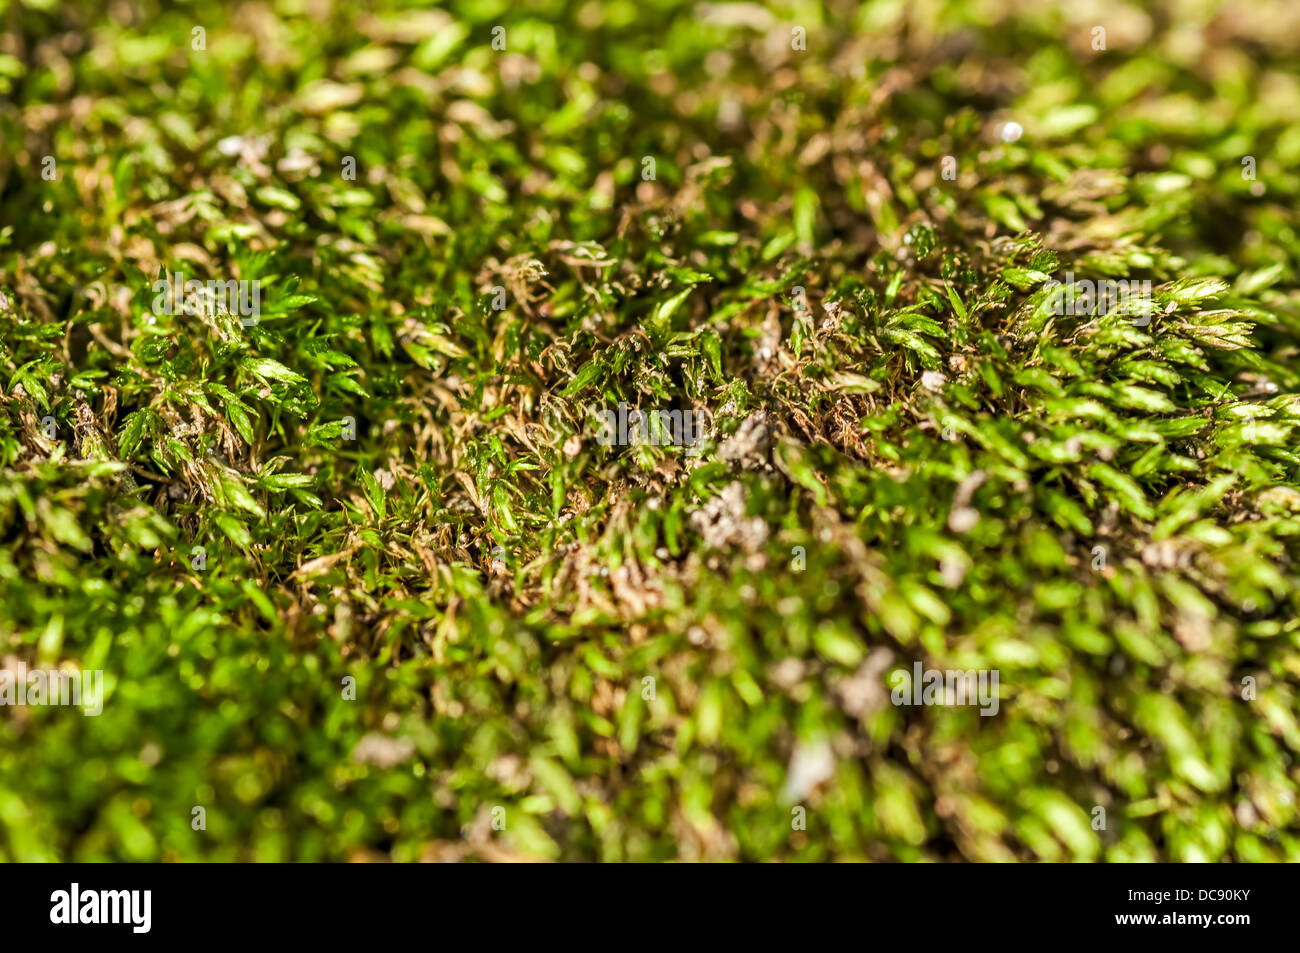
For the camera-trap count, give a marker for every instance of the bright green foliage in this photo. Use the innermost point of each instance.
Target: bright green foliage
(924, 464)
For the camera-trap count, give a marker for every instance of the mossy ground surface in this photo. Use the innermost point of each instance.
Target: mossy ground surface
(910, 456)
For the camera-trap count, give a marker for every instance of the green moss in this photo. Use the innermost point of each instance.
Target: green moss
(434, 616)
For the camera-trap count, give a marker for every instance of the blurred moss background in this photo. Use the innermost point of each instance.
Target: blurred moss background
(473, 632)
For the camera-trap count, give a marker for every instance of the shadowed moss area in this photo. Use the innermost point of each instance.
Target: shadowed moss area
(369, 575)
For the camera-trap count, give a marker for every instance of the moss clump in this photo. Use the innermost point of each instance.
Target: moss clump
(364, 579)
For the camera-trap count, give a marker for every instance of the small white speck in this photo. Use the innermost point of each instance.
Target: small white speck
(1012, 131)
(933, 380)
(730, 114)
(811, 763)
